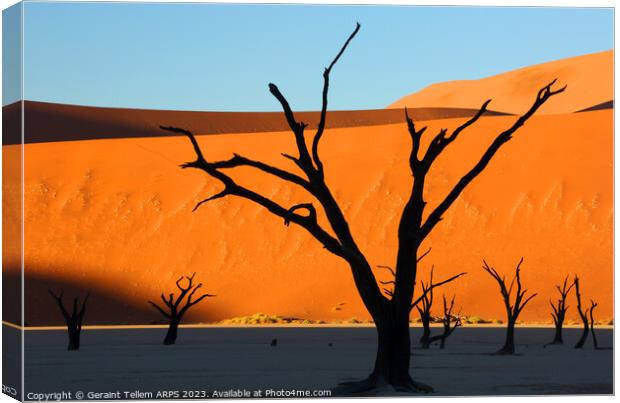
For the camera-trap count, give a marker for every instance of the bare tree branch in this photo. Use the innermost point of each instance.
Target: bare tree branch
(522, 304)
(190, 302)
(83, 309)
(583, 315)
(168, 303)
(387, 268)
(191, 137)
(177, 308)
(74, 319)
(435, 285)
(297, 128)
(61, 305)
(219, 195)
(321, 126)
(594, 340)
(512, 309)
(543, 95)
(160, 309)
(304, 206)
(232, 188)
(559, 311)
(441, 141)
(416, 138)
(238, 160)
(423, 255)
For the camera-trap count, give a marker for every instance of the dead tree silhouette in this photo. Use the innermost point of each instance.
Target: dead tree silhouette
(583, 315)
(592, 306)
(513, 309)
(175, 310)
(426, 300)
(559, 311)
(73, 320)
(424, 309)
(390, 314)
(450, 323)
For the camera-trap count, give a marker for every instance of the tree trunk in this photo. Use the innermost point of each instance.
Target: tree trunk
(171, 336)
(557, 339)
(393, 353)
(394, 357)
(393, 339)
(74, 338)
(392, 360)
(444, 336)
(584, 335)
(426, 335)
(509, 345)
(594, 337)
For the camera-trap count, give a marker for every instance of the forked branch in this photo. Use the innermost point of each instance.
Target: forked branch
(432, 286)
(559, 309)
(321, 126)
(174, 306)
(73, 319)
(314, 183)
(441, 141)
(177, 307)
(450, 322)
(231, 188)
(513, 308)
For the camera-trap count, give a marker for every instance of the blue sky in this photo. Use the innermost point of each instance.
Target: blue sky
(221, 57)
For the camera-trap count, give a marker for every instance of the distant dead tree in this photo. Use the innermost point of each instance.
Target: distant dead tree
(559, 311)
(73, 320)
(583, 315)
(424, 309)
(594, 339)
(592, 306)
(175, 309)
(450, 323)
(426, 300)
(390, 313)
(513, 309)
(424, 305)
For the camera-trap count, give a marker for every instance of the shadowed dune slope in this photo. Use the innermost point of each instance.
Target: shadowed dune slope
(115, 215)
(589, 79)
(104, 306)
(598, 107)
(47, 122)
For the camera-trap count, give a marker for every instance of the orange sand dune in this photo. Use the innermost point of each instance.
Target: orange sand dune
(114, 216)
(589, 79)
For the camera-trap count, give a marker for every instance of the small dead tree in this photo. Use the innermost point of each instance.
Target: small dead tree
(426, 302)
(424, 309)
(73, 320)
(174, 307)
(450, 323)
(513, 309)
(583, 315)
(390, 313)
(592, 306)
(559, 311)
